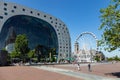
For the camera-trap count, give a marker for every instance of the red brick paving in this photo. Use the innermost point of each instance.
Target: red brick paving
(100, 69)
(29, 73)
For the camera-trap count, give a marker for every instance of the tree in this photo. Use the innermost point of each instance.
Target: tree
(52, 54)
(31, 54)
(110, 24)
(21, 46)
(110, 59)
(39, 52)
(116, 58)
(14, 54)
(97, 58)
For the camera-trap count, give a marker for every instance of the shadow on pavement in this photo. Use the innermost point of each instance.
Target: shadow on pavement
(117, 74)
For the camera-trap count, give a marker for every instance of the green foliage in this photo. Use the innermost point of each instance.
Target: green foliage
(97, 58)
(14, 54)
(115, 58)
(35, 59)
(31, 54)
(21, 46)
(110, 59)
(3, 49)
(52, 54)
(110, 24)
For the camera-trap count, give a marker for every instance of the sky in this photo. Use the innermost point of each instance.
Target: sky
(79, 15)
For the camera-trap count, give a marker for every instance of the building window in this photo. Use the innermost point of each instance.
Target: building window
(50, 17)
(38, 29)
(56, 26)
(1, 17)
(14, 7)
(51, 21)
(31, 12)
(57, 29)
(66, 55)
(56, 19)
(60, 54)
(66, 28)
(56, 23)
(23, 9)
(6, 13)
(38, 14)
(59, 23)
(5, 4)
(44, 15)
(66, 50)
(66, 38)
(5, 9)
(12, 11)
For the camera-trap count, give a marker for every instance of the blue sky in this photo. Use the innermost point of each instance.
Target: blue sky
(79, 15)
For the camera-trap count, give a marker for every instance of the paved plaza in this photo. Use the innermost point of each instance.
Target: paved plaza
(29, 73)
(110, 70)
(104, 71)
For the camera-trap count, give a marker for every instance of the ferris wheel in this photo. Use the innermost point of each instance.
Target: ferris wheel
(87, 41)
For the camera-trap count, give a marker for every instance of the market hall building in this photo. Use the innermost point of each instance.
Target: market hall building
(40, 28)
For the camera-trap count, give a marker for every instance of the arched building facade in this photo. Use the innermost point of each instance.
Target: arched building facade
(40, 28)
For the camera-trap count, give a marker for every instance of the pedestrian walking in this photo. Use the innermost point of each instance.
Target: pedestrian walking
(89, 67)
(78, 66)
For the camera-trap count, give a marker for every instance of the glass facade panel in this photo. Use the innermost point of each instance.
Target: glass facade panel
(38, 31)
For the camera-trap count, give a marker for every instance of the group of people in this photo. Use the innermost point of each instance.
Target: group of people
(89, 67)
